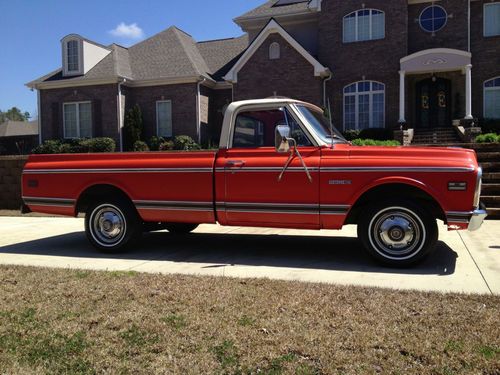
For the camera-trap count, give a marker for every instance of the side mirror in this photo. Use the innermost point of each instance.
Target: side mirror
(281, 136)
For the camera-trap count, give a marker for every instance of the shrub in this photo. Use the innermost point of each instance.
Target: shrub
(75, 146)
(185, 143)
(132, 127)
(51, 146)
(140, 146)
(373, 142)
(488, 138)
(155, 142)
(166, 146)
(351, 135)
(99, 145)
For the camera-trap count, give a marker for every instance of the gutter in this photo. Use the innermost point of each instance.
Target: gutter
(468, 25)
(198, 112)
(120, 112)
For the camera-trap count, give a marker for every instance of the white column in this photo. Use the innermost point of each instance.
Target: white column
(468, 92)
(402, 111)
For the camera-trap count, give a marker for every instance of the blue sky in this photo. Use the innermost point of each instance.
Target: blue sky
(32, 29)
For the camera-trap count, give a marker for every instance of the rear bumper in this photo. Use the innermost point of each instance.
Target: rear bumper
(470, 220)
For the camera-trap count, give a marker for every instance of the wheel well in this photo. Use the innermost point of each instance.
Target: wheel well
(97, 192)
(397, 191)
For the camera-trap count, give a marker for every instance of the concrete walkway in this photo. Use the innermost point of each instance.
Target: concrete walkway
(463, 261)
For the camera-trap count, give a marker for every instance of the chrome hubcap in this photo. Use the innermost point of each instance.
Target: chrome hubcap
(108, 225)
(397, 233)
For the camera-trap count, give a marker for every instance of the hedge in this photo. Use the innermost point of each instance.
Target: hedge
(488, 138)
(75, 146)
(374, 142)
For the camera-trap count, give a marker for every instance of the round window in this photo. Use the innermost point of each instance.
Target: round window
(433, 18)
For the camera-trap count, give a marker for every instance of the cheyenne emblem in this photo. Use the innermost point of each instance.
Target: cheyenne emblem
(340, 182)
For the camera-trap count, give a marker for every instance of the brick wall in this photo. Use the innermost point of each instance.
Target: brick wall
(183, 97)
(11, 168)
(104, 110)
(291, 75)
(375, 60)
(452, 35)
(485, 56)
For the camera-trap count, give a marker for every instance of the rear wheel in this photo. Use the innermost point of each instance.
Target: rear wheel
(111, 225)
(180, 228)
(398, 233)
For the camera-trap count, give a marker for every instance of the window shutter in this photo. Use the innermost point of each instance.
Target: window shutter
(97, 130)
(56, 130)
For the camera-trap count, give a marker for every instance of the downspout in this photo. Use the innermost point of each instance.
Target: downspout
(329, 78)
(468, 25)
(198, 112)
(120, 112)
(39, 117)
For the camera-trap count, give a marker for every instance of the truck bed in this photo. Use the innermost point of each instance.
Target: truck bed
(164, 186)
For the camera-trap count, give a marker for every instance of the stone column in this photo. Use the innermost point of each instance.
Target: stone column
(402, 112)
(468, 92)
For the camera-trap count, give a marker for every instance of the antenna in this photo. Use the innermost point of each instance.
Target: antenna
(331, 121)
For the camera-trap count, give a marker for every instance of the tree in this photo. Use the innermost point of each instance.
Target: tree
(14, 114)
(132, 128)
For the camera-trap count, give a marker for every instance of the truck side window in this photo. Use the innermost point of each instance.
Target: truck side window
(256, 129)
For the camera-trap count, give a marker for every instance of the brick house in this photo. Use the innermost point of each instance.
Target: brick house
(378, 63)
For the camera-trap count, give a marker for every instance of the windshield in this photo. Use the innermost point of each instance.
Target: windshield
(321, 125)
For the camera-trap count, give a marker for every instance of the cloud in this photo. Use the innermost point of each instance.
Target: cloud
(131, 31)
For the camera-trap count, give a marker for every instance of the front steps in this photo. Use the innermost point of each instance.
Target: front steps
(436, 136)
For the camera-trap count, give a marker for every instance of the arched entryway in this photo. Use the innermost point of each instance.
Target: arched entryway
(433, 103)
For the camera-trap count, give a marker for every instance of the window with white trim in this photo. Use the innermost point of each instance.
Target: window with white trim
(72, 56)
(77, 120)
(364, 105)
(492, 19)
(164, 118)
(492, 98)
(364, 24)
(274, 51)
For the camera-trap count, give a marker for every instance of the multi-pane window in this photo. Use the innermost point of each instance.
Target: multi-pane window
(77, 120)
(492, 19)
(164, 118)
(72, 56)
(364, 105)
(492, 98)
(364, 24)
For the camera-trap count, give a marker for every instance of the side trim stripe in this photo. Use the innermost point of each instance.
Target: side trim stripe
(118, 170)
(53, 202)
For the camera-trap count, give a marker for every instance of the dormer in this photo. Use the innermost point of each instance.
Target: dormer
(79, 55)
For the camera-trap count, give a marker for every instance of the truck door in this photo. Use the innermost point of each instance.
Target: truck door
(254, 195)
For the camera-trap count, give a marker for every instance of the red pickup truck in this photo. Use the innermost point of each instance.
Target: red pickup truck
(280, 164)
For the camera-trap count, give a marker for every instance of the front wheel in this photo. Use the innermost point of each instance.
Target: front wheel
(398, 233)
(111, 225)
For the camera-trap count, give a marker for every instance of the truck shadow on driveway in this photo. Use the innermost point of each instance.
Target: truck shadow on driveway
(224, 250)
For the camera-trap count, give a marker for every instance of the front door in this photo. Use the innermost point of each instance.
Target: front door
(434, 103)
(254, 194)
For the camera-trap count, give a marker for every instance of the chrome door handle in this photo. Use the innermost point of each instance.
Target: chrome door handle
(235, 163)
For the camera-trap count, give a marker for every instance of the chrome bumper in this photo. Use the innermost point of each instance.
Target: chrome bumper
(477, 218)
(473, 219)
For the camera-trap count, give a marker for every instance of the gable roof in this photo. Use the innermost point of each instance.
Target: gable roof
(274, 27)
(18, 128)
(169, 55)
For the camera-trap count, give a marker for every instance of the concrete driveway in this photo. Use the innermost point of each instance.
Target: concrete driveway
(463, 261)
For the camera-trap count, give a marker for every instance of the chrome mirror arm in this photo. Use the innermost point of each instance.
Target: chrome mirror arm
(290, 158)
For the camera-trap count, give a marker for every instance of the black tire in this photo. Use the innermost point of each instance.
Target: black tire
(112, 225)
(180, 228)
(397, 232)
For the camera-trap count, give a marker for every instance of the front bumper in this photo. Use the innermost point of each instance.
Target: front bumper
(477, 218)
(470, 220)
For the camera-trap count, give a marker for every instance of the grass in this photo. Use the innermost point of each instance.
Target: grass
(86, 322)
